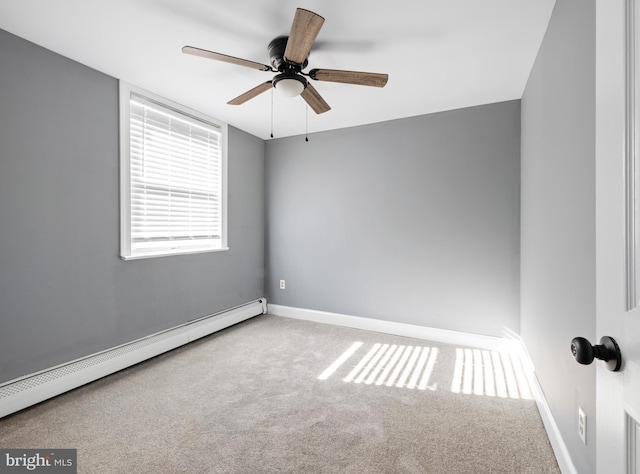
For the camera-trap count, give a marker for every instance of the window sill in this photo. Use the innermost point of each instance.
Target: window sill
(170, 254)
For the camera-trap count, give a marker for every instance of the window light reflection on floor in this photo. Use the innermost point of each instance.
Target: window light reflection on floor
(490, 373)
(390, 365)
(476, 371)
(339, 361)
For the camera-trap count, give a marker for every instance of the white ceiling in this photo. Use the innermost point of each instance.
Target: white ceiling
(439, 54)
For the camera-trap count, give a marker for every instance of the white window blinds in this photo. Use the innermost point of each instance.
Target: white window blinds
(176, 181)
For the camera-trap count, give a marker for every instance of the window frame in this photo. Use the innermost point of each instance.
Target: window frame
(126, 252)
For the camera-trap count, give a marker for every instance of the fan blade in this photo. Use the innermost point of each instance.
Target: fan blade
(224, 58)
(350, 77)
(306, 26)
(250, 94)
(315, 101)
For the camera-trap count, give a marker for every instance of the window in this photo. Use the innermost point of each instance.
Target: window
(172, 177)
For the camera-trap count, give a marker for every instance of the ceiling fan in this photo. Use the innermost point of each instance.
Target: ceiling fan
(289, 56)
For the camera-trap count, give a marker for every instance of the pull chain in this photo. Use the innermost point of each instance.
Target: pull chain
(306, 124)
(272, 112)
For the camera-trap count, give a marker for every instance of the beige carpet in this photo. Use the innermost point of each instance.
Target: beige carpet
(249, 400)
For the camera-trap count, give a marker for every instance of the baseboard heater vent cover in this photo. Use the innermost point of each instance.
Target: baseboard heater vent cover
(23, 392)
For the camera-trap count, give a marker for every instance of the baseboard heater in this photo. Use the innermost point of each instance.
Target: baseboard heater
(25, 391)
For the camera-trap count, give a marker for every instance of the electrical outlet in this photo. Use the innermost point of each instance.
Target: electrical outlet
(282, 286)
(582, 425)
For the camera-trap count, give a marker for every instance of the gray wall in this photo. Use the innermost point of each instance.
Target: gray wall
(64, 292)
(414, 220)
(558, 218)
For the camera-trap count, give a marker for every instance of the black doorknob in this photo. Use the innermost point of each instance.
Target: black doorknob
(608, 351)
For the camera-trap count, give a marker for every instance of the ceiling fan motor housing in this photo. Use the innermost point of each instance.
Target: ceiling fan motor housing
(276, 54)
(290, 79)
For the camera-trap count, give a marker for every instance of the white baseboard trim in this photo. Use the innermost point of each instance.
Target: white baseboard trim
(444, 336)
(565, 462)
(553, 432)
(511, 344)
(25, 391)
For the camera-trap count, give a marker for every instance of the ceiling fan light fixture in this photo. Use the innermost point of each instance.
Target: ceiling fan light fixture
(289, 85)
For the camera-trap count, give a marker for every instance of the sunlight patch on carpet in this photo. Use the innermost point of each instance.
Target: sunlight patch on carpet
(478, 372)
(490, 373)
(390, 365)
(339, 361)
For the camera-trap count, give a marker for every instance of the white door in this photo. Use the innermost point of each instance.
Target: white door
(617, 235)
